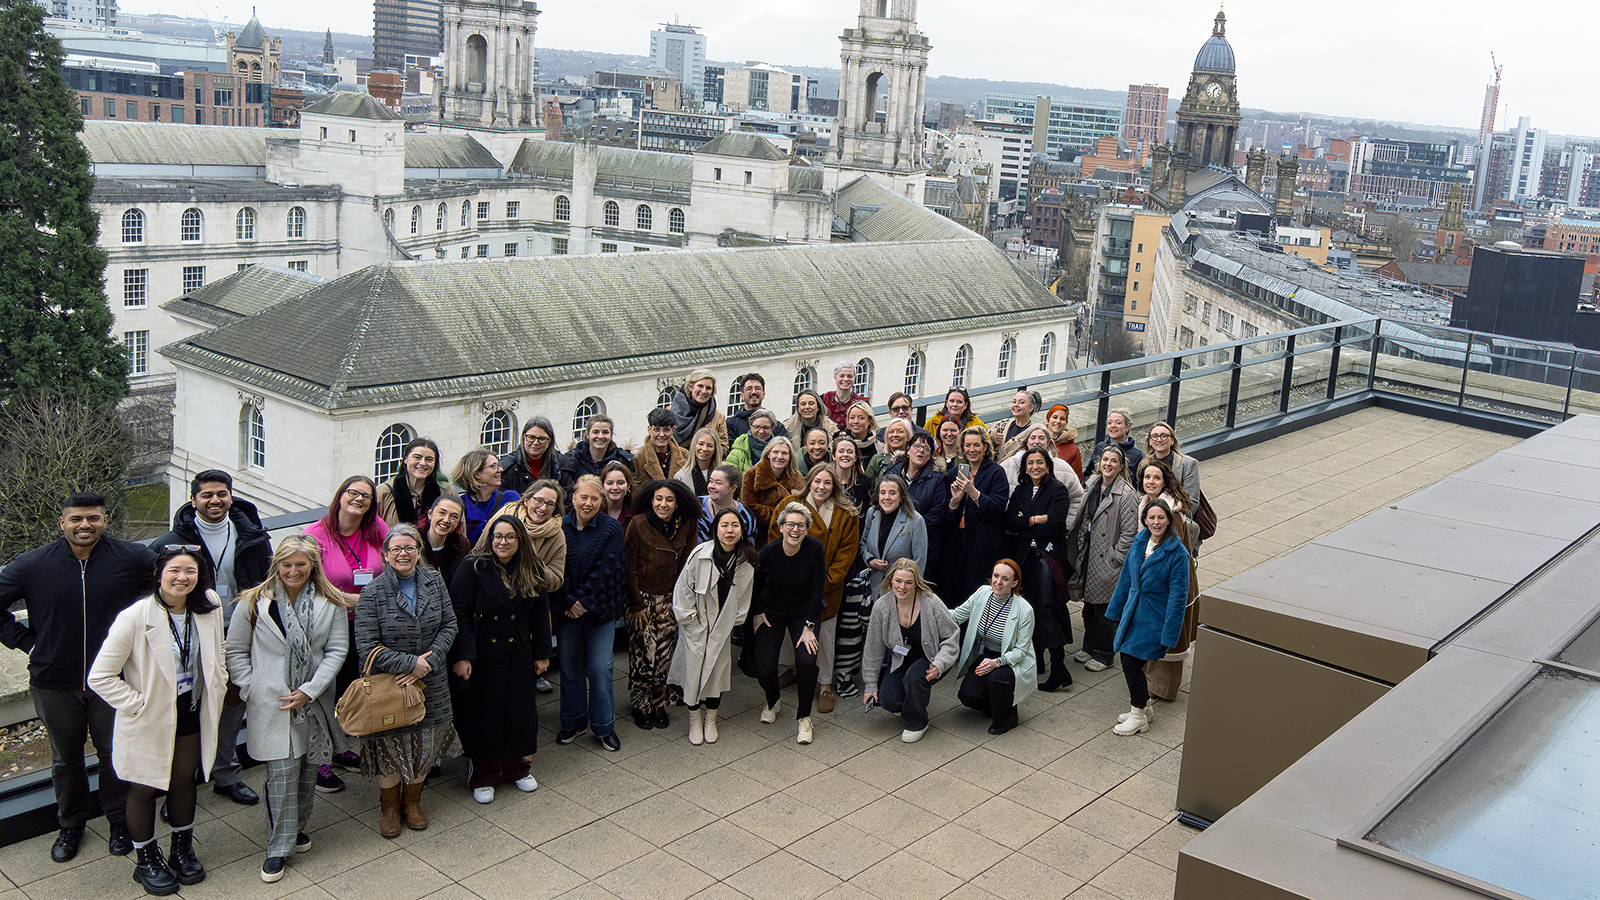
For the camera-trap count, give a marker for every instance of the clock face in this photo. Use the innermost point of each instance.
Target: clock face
(1214, 90)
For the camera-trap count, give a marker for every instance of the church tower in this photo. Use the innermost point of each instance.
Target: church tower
(883, 69)
(1208, 116)
(488, 65)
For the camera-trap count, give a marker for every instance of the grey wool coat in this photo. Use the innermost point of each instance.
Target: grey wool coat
(909, 540)
(1110, 534)
(702, 663)
(258, 662)
(382, 619)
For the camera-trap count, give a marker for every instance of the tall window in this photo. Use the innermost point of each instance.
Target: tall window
(194, 278)
(590, 407)
(1008, 349)
(496, 432)
(664, 397)
(483, 210)
(513, 209)
(466, 212)
(1047, 351)
(804, 380)
(958, 375)
(675, 220)
(864, 377)
(386, 459)
(563, 209)
(913, 385)
(642, 217)
(438, 219)
(133, 226)
(388, 220)
(297, 222)
(252, 438)
(244, 225)
(416, 219)
(189, 225)
(613, 214)
(138, 344)
(135, 284)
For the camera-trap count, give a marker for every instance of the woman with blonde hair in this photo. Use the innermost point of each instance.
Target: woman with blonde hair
(1161, 443)
(705, 454)
(1105, 531)
(770, 481)
(809, 413)
(285, 646)
(695, 407)
(787, 604)
(912, 641)
(477, 477)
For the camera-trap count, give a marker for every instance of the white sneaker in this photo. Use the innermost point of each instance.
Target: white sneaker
(911, 737)
(1082, 656)
(1095, 665)
(527, 784)
(804, 734)
(770, 713)
(483, 794)
(1149, 714)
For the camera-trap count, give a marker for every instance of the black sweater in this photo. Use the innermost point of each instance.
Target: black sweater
(71, 604)
(790, 585)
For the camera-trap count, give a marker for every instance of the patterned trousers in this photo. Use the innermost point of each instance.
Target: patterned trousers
(650, 654)
(851, 629)
(291, 788)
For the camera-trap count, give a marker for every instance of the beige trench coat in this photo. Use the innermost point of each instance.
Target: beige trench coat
(702, 664)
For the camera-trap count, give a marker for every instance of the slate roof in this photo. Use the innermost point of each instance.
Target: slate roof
(1439, 275)
(805, 179)
(160, 143)
(447, 151)
(351, 105)
(898, 220)
(553, 159)
(337, 345)
(252, 36)
(743, 144)
(242, 294)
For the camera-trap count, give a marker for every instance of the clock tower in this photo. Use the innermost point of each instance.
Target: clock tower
(1208, 117)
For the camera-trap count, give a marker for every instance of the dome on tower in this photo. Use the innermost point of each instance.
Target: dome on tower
(1216, 54)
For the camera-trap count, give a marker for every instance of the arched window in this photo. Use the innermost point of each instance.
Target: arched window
(642, 217)
(386, 459)
(864, 377)
(675, 220)
(189, 225)
(1047, 351)
(734, 399)
(244, 224)
(388, 220)
(133, 226)
(416, 219)
(466, 212)
(297, 222)
(563, 209)
(444, 213)
(252, 438)
(914, 364)
(590, 407)
(958, 375)
(498, 427)
(613, 214)
(1008, 349)
(804, 380)
(664, 397)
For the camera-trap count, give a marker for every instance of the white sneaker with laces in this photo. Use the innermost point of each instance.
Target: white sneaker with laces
(803, 736)
(527, 784)
(911, 737)
(483, 794)
(1095, 665)
(1082, 656)
(770, 714)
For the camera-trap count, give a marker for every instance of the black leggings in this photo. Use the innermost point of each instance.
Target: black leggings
(1138, 687)
(768, 643)
(708, 703)
(180, 792)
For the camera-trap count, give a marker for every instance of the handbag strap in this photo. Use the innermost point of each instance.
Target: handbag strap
(366, 670)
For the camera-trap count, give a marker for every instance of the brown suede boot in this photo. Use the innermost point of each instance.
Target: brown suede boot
(411, 806)
(389, 820)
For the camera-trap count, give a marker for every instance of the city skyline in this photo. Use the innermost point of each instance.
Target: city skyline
(1398, 62)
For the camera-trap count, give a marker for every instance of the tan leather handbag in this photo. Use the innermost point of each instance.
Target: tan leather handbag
(375, 703)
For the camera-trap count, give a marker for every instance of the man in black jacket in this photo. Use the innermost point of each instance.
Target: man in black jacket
(753, 391)
(73, 588)
(228, 530)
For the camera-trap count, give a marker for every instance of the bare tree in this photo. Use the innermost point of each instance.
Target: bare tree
(55, 448)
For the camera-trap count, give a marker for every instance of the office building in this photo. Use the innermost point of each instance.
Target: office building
(1527, 162)
(402, 28)
(1144, 119)
(680, 50)
(1057, 124)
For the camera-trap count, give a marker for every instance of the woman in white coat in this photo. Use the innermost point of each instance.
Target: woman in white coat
(286, 644)
(161, 668)
(997, 661)
(710, 600)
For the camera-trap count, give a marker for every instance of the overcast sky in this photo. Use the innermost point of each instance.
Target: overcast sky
(1402, 60)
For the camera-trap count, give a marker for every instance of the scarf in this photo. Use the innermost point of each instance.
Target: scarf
(724, 563)
(300, 667)
(691, 416)
(408, 509)
(756, 447)
(669, 528)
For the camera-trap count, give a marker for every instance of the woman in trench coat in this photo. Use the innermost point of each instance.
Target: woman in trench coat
(710, 600)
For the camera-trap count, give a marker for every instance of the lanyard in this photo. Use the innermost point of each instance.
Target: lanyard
(183, 650)
(354, 558)
(216, 561)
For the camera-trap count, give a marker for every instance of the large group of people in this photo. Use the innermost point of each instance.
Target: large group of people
(831, 551)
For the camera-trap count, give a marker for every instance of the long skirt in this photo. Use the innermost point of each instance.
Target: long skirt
(407, 752)
(851, 629)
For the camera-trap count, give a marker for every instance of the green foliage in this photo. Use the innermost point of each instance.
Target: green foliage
(54, 448)
(55, 325)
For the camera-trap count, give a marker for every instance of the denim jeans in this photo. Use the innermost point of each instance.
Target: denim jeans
(586, 652)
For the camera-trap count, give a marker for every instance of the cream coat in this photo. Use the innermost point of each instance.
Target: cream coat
(702, 664)
(1017, 651)
(258, 659)
(137, 674)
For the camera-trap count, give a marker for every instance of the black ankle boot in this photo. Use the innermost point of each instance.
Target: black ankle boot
(1059, 678)
(152, 872)
(184, 863)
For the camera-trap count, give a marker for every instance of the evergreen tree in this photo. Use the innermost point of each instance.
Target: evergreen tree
(55, 325)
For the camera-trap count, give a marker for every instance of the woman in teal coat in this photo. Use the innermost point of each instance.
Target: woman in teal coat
(1148, 606)
(997, 664)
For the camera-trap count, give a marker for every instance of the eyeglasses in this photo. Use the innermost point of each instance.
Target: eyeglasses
(503, 538)
(1158, 436)
(793, 525)
(900, 407)
(542, 504)
(183, 548)
(358, 495)
(404, 551)
(536, 439)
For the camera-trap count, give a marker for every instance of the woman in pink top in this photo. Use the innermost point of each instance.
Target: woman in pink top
(350, 535)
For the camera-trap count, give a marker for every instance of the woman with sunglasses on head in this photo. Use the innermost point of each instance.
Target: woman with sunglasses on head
(477, 477)
(286, 644)
(162, 669)
(709, 601)
(408, 496)
(502, 644)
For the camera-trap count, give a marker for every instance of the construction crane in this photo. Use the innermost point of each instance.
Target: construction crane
(1491, 100)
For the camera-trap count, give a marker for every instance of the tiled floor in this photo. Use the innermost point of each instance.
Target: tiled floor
(1057, 808)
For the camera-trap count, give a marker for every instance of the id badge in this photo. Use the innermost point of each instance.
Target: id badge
(901, 650)
(362, 578)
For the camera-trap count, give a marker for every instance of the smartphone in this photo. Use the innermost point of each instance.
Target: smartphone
(869, 705)
(964, 470)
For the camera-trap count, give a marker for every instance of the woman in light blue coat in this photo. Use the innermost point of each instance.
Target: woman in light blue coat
(997, 661)
(1148, 607)
(894, 530)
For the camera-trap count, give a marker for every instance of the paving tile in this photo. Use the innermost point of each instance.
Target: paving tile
(987, 769)
(1049, 795)
(596, 848)
(905, 875)
(936, 748)
(526, 875)
(106, 878)
(306, 893)
(1163, 847)
(655, 875)
(340, 847)
(670, 765)
(452, 892)
(959, 850)
(1133, 878)
(1091, 770)
(1149, 795)
(1115, 823)
(884, 768)
(720, 849)
(1022, 877)
(835, 793)
(847, 891)
(1006, 822)
(719, 891)
(397, 876)
(777, 766)
(1167, 767)
(893, 820)
(1030, 747)
(722, 792)
(841, 850)
(662, 818)
(468, 848)
(28, 861)
(1081, 855)
(557, 765)
(781, 819)
(607, 790)
(783, 876)
(242, 878)
(943, 794)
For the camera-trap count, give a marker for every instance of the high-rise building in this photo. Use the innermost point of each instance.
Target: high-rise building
(406, 28)
(1057, 124)
(1527, 161)
(681, 50)
(84, 12)
(1144, 120)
